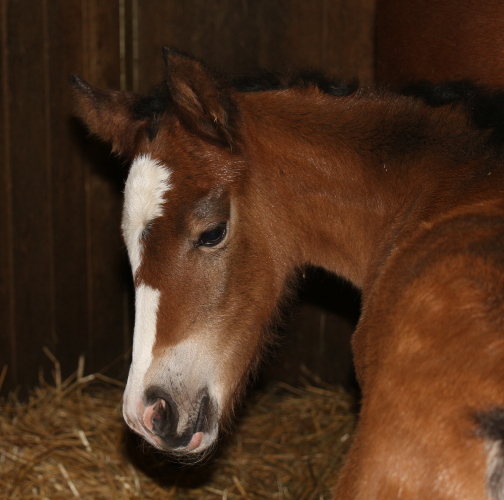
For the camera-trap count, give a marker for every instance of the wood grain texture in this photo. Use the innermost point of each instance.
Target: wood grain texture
(241, 36)
(68, 188)
(7, 337)
(106, 257)
(334, 36)
(33, 283)
(62, 262)
(442, 40)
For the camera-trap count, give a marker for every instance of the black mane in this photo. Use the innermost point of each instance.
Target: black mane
(157, 102)
(150, 106)
(483, 105)
(266, 81)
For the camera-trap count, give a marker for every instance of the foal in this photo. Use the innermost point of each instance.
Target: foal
(234, 186)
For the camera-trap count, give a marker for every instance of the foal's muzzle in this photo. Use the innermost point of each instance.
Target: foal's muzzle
(172, 427)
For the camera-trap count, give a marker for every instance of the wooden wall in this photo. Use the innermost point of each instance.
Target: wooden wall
(439, 41)
(62, 268)
(64, 278)
(241, 35)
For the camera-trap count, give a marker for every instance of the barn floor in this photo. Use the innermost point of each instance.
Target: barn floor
(70, 441)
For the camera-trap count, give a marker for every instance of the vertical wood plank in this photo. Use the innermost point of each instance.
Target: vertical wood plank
(439, 41)
(68, 188)
(31, 190)
(108, 273)
(7, 335)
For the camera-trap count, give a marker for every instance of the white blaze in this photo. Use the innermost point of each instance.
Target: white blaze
(146, 308)
(147, 183)
(144, 192)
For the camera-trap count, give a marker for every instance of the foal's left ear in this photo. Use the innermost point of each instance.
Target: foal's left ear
(202, 102)
(108, 114)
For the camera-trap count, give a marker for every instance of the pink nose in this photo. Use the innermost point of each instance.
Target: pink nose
(161, 419)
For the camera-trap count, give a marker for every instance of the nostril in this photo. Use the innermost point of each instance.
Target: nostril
(161, 415)
(201, 421)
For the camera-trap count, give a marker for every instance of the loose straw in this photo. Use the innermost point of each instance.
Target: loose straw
(69, 440)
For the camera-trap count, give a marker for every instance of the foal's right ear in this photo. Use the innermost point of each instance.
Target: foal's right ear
(107, 113)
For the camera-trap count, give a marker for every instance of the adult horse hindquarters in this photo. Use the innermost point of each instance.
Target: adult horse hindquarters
(234, 186)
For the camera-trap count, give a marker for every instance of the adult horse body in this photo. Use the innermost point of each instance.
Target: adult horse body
(234, 187)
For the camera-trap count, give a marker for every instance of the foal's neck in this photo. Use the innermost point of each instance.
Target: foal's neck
(346, 179)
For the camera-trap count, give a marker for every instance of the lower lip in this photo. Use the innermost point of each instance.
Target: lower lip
(195, 442)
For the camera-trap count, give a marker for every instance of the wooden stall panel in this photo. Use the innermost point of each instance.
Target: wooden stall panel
(108, 273)
(441, 40)
(28, 169)
(7, 340)
(230, 35)
(68, 195)
(336, 37)
(240, 36)
(62, 261)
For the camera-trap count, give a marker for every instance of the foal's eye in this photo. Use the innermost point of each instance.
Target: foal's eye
(213, 236)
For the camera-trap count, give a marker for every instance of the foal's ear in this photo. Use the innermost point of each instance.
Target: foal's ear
(202, 103)
(107, 113)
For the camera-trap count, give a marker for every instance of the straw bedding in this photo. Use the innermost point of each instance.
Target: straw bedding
(69, 441)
